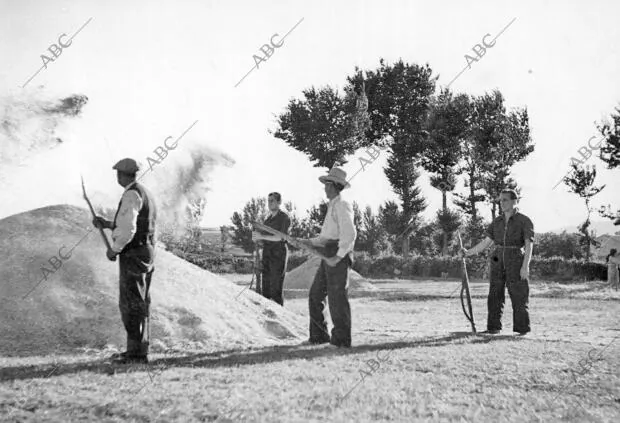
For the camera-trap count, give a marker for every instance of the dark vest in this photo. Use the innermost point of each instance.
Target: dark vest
(145, 234)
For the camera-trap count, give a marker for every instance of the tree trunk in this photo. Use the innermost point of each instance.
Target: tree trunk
(406, 246)
(493, 211)
(472, 196)
(444, 242)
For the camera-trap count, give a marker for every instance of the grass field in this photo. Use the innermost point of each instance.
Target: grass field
(413, 359)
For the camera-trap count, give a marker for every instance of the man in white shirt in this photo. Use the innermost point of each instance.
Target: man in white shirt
(336, 239)
(133, 236)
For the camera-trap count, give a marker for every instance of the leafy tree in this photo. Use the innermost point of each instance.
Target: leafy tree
(423, 240)
(254, 211)
(357, 222)
(474, 230)
(325, 125)
(610, 149)
(447, 125)
(507, 142)
(581, 182)
(398, 102)
(403, 180)
(390, 218)
(372, 236)
(610, 154)
(483, 131)
(448, 222)
(564, 245)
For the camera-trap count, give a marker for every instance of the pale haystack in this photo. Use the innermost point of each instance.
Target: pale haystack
(76, 305)
(302, 277)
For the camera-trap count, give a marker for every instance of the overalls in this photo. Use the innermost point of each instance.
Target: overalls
(506, 261)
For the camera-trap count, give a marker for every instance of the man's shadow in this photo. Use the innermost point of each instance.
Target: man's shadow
(237, 357)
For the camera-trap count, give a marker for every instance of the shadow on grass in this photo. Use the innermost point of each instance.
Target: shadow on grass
(238, 357)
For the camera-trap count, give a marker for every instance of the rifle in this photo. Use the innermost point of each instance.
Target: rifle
(92, 210)
(465, 290)
(292, 241)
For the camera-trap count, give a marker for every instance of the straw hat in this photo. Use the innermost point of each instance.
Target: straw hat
(337, 175)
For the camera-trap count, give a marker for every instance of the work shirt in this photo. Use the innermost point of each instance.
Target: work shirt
(280, 222)
(519, 229)
(126, 219)
(338, 225)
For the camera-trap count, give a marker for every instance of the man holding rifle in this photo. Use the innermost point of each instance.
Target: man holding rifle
(275, 252)
(133, 236)
(509, 265)
(336, 240)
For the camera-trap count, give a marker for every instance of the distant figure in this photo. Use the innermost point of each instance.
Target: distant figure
(613, 260)
(510, 266)
(133, 236)
(275, 252)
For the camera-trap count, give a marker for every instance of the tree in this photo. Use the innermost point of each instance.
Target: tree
(504, 139)
(403, 180)
(324, 125)
(390, 218)
(581, 182)
(564, 245)
(398, 102)
(357, 222)
(423, 241)
(610, 150)
(254, 211)
(372, 236)
(610, 154)
(484, 111)
(447, 125)
(296, 228)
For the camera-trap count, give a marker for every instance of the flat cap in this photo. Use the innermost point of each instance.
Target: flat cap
(127, 165)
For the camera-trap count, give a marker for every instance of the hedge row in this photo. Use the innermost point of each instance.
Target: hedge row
(389, 266)
(229, 264)
(555, 268)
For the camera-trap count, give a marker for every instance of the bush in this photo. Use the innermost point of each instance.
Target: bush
(388, 266)
(391, 265)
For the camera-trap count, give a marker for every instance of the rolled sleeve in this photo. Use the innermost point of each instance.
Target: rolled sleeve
(347, 232)
(286, 223)
(528, 230)
(126, 220)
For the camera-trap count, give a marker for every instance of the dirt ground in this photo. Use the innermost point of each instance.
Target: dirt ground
(413, 359)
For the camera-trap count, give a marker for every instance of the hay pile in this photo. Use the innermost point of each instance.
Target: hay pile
(76, 305)
(302, 277)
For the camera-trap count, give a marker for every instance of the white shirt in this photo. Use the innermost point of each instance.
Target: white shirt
(126, 219)
(339, 225)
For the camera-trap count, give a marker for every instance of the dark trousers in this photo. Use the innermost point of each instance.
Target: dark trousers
(135, 302)
(274, 269)
(505, 272)
(331, 282)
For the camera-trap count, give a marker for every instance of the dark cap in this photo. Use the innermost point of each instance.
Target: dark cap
(127, 165)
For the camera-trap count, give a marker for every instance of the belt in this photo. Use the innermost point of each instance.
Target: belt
(508, 246)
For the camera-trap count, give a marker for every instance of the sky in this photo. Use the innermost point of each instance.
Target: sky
(152, 68)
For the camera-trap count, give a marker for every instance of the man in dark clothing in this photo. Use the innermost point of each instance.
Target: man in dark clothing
(275, 252)
(510, 266)
(133, 236)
